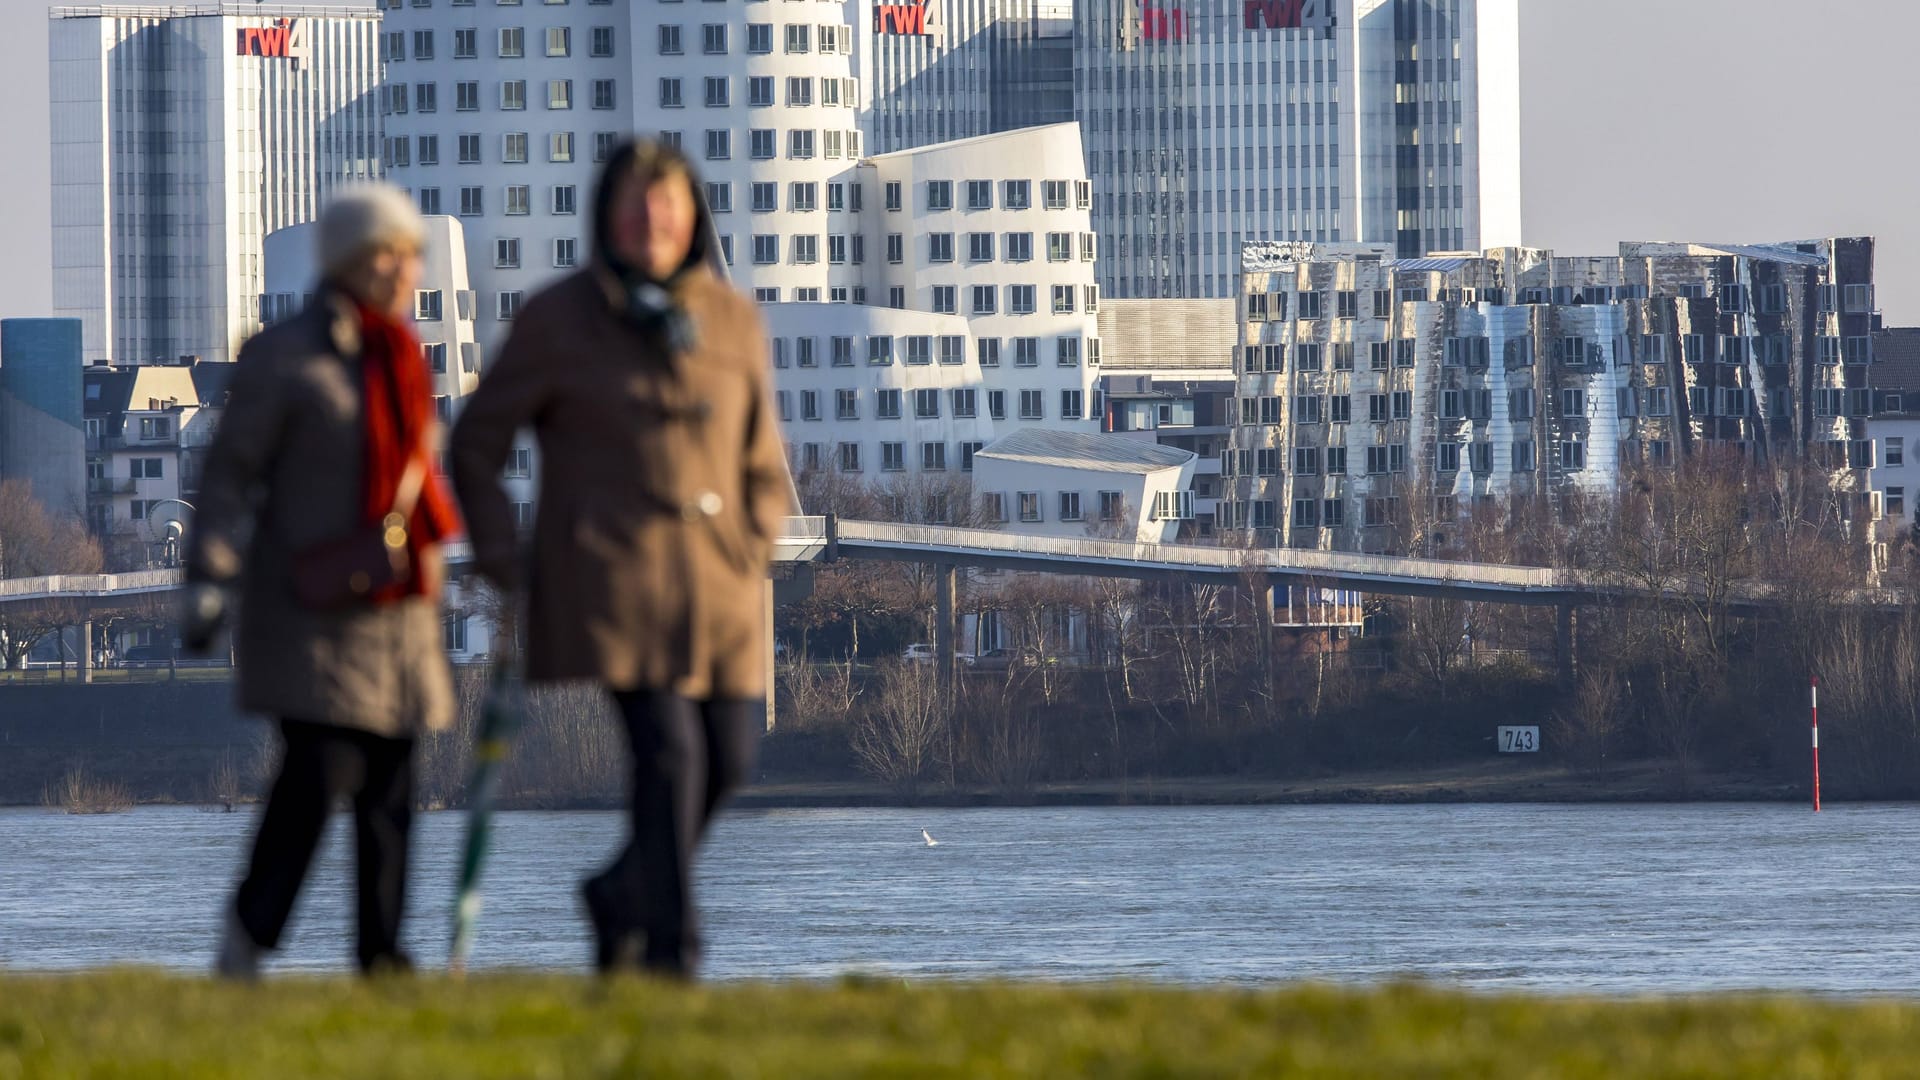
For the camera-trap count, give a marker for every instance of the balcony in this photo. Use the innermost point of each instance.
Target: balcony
(110, 485)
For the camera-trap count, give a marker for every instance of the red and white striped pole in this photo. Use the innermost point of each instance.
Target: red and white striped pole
(1816, 744)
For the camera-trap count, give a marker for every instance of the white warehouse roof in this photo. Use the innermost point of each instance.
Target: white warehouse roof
(1075, 450)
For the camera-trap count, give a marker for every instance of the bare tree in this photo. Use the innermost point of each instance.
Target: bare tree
(1590, 723)
(898, 738)
(36, 543)
(1002, 722)
(1678, 546)
(817, 694)
(846, 595)
(1037, 610)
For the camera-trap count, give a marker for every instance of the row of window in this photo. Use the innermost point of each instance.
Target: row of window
(1734, 299)
(1017, 247)
(1014, 194)
(763, 143)
(1476, 352)
(924, 348)
(565, 253)
(514, 149)
(848, 456)
(717, 92)
(509, 43)
(1390, 458)
(397, 98)
(796, 39)
(963, 403)
(1629, 401)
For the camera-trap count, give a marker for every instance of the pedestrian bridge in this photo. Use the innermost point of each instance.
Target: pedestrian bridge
(805, 541)
(809, 540)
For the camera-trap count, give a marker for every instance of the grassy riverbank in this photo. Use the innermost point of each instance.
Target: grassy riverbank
(1487, 781)
(125, 1024)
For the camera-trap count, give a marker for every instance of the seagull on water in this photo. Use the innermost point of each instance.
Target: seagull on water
(931, 842)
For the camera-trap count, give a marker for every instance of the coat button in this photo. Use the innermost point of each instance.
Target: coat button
(709, 503)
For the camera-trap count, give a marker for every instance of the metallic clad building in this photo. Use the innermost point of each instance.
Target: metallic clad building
(1368, 385)
(1209, 124)
(182, 136)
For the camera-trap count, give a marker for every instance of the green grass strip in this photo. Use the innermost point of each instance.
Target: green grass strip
(132, 1024)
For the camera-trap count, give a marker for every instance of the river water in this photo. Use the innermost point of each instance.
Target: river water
(1583, 898)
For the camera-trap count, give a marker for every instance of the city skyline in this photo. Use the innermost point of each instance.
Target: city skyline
(1592, 122)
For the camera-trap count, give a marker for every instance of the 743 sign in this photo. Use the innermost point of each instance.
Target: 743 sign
(1517, 740)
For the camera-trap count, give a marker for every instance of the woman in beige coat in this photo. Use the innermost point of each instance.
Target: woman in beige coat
(326, 435)
(662, 485)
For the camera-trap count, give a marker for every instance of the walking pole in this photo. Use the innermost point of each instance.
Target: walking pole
(1816, 744)
(499, 720)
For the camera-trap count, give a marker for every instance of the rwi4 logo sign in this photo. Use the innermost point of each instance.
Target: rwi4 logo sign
(1286, 14)
(909, 20)
(1163, 24)
(285, 39)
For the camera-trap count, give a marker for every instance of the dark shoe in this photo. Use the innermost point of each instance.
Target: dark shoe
(617, 945)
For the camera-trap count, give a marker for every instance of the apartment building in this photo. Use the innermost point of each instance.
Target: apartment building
(1364, 380)
(1894, 430)
(148, 427)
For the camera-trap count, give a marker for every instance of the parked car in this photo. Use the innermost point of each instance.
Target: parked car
(145, 656)
(995, 660)
(924, 654)
(1002, 659)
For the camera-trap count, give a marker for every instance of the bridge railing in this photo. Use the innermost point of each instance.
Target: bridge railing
(83, 585)
(1334, 564)
(804, 527)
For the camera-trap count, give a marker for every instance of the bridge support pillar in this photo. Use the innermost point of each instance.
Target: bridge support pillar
(773, 675)
(1565, 636)
(86, 651)
(945, 598)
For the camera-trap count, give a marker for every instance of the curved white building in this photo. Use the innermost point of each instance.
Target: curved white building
(443, 308)
(964, 268)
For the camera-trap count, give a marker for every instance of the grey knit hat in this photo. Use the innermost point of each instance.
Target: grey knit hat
(362, 218)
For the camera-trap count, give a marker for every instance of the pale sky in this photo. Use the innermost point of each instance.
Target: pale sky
(1712, 120)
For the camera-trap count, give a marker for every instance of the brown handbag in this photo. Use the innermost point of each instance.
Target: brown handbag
(342, 573)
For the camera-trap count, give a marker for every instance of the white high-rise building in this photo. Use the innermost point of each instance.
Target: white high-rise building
(1212, 123)
(917, 303)
(182, 136)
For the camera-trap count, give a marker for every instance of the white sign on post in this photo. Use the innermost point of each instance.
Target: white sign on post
(1517, 740)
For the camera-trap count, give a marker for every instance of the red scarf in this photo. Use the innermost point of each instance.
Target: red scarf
(391, 365)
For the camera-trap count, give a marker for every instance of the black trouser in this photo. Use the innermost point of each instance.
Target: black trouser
(688, 756)
(322, 763)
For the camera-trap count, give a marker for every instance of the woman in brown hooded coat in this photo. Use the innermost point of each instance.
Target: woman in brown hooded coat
(645, 381)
